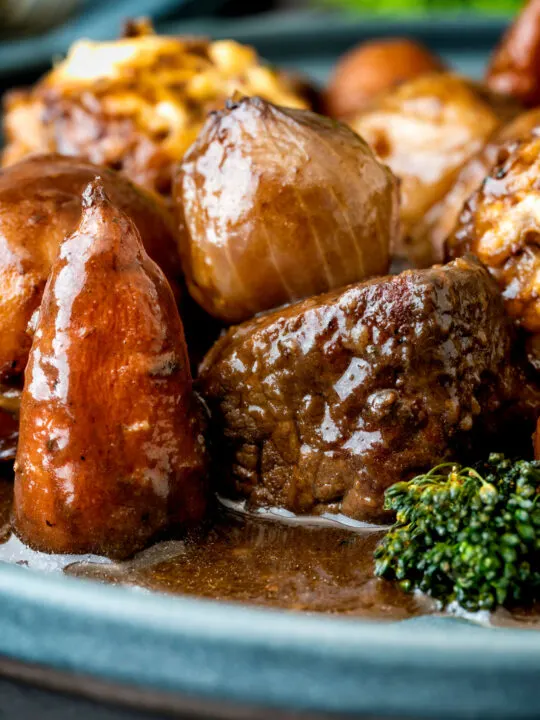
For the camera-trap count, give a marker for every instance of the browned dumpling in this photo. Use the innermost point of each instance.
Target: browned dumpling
(425, 130)
(277, 204)
(500, 224)
(111, 450)
(136, 104)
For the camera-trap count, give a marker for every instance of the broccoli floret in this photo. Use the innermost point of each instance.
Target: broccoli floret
(466, 534)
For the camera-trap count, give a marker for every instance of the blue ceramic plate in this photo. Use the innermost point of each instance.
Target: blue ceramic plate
(242, 656)
(96, 19)
(311, 41)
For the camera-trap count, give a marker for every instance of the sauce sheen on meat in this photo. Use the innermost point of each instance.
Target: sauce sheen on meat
(322, 405)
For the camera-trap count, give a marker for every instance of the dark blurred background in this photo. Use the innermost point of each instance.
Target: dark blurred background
(307, 35)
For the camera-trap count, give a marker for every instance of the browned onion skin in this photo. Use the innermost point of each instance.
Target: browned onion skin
(425, 130)
(515, 66)
(500, 224)
(441, 219)
(276, 204)
(372, 68)
(111, 451)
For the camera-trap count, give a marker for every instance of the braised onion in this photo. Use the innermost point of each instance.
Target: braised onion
(276, 204)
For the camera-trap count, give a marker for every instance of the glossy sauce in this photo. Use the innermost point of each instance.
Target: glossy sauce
(269, 562)
(309, 566)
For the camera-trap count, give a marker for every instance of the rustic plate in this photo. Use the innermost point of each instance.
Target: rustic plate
(228, 655)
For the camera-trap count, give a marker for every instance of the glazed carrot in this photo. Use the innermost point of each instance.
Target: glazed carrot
(111, 450)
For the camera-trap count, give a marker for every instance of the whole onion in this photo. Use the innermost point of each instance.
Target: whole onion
(276, 204)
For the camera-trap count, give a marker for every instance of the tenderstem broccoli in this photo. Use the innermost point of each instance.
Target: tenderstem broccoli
(469, 535)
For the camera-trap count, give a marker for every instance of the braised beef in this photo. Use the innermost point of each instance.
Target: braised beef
(322, 405)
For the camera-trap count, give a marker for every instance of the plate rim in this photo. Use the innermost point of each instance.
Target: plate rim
(266, 657)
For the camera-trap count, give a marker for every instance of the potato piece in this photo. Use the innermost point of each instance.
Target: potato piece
(500, 224)
(372, 68)
(515, 66)
(111, 451)
(136, 104)
(40, 203)
(425, 130)
(275, 205)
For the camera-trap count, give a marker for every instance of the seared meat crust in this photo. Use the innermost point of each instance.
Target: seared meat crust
(322, 405)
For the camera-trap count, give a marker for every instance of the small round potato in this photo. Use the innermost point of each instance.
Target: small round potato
(372, 68)
(425, 130)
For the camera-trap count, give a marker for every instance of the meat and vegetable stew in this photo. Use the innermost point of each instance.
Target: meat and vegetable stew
(211, 381)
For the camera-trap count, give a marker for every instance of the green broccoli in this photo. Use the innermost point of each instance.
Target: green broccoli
(469, 535)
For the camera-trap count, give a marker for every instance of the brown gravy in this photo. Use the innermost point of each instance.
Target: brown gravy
(300, 566)
(271, 563)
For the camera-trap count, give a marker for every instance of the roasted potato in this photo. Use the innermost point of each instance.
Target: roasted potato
(500, 224)
(425, 130)
(372, 68)
(277, 204)
(515, 66)
(40, 203)
(136, 104)
(111, 449)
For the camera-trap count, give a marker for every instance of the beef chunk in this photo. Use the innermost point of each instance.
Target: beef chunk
(322, 405)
